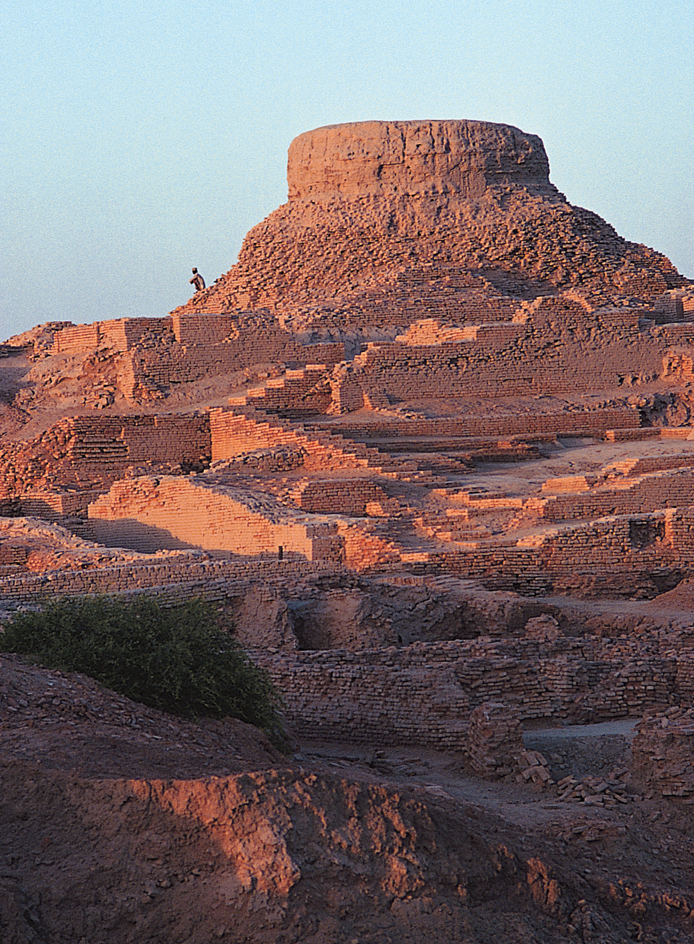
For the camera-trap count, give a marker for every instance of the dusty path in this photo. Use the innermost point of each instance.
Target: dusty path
(443, 775)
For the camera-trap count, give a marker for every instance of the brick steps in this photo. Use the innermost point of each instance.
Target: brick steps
(238, 429)
(299, 392)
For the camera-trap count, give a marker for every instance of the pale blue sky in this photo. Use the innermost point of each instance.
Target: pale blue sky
(140, 140)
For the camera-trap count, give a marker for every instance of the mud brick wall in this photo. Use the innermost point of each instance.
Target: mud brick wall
(364, 549)
(301, 392)
(148, 514)
(234, 434)
(13, 554)
(53, 505)
(663, 754)
(679, 532)
(495, 740)
(631, 541)
(644, 464)
(652, 492)
(173, 578)
(209, 345)
(560, 348)
(203, 330)
(238, 342)
(92, 450)
(677, 332)
(629, 551)
(500, 567)
(76, 338)
(120, 334)
(337, 496)
(424, 694)
(431, 331)
(170, 437)
(102, 441)
(592, 422)
(124, 333)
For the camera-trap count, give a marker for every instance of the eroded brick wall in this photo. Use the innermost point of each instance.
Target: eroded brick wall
(172, 577)
(559, 348)
(234, 434)
(121, 334)
(424, 694)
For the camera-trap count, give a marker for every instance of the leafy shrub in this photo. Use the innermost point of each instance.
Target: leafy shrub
(174, 659)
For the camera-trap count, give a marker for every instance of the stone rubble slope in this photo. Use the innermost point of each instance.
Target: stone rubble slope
(373, 203)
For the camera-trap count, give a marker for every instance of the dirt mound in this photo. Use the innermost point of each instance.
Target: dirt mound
(65, 721)
(283, 856)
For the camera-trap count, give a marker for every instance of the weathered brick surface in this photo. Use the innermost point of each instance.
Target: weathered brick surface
(173, 577)
(147, 514)
(234, 433)
(92, 450)
(426, 693)
(558, 348)
(359, 246)
(663, 754)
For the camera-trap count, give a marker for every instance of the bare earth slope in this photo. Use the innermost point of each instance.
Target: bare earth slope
(124, 824)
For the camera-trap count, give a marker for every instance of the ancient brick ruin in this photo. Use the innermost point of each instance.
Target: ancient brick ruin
(427, 366)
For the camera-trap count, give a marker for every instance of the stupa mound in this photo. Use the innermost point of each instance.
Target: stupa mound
(384, 217)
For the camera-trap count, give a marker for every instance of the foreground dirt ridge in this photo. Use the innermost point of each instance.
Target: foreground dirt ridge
(332, 846)
(427, 445)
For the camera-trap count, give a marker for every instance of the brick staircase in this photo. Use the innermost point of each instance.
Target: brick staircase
(453, 526)
(242, 428)
(301, 392)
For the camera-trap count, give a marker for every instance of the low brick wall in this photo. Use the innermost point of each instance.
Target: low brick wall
(424, 694)
(173, 578)
(663, 754)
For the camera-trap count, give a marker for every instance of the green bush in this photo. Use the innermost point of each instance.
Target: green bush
(175, 659)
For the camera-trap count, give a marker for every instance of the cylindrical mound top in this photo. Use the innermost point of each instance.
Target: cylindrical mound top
(399, 158)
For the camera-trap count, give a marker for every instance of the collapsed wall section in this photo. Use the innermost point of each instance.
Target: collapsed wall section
(206, 345)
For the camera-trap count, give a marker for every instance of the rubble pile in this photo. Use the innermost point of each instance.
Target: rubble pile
(663, 754)
(595, 791)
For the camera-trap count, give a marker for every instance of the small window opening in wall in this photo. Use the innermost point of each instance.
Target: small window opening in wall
(280, 553)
